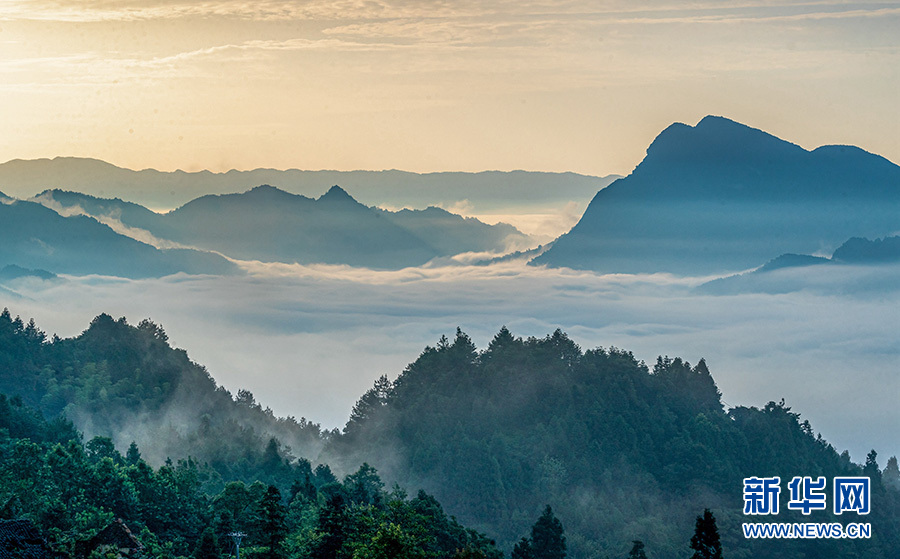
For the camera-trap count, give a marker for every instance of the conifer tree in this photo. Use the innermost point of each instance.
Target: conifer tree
(272, 524)
(522, 550)
(705, 542)
(547, 539)
(208, 548)
(637, 550)
(891, 474)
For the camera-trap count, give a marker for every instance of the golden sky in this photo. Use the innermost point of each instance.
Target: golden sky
(430, 85)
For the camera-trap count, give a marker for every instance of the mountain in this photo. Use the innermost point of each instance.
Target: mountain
(863, 251)
(36, 237)
(272, 225)
(269, 224)
(621, 451)
(452, 234)
(13, 272)
(721, 196)
(125, 382)
(780, 275)
(486, 191)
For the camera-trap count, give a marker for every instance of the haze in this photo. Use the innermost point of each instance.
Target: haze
(309, 340)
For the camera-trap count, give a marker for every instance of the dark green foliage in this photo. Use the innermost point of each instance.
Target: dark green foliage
(637, 550)
(495, 434)
(705, 541)
(73, 491)
(872, 471)
(119, 379)
(546, 542)
(891, 474)
(547, 539)
(522, 550)
(272, 529)
(208, 548)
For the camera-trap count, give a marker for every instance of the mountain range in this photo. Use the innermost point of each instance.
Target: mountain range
(271, 225)
(486, 191)
(778, 275)
(712, 199)
(34, 236)
(721, 197)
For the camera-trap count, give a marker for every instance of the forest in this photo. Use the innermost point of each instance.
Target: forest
(500, 447)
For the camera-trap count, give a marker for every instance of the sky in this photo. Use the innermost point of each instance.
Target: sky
(428, 85)
(424, 86)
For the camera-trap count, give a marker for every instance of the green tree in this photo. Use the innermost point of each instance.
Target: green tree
(272, 527)
(891, 474)
(871, 469)
(208, 548)
(133, 456)
(547, 538)
(637, 550)
(705, 542)
(522, 550)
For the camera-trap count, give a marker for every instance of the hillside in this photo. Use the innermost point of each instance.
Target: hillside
(271, 225)
(125, 382)
(36, 237)
(721, 197)
(69, 495)
(620, 450)
(623, 452)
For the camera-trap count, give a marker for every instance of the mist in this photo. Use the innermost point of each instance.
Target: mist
(308, 341)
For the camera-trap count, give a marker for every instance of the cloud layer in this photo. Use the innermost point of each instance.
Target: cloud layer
(309, 340)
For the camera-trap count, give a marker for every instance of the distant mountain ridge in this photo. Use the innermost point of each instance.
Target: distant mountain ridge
(37, 237)
(721, 196)
(271, 225)
(856, 251)
(486, 190)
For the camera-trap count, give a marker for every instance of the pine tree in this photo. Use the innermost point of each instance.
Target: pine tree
(872, 471)
(891, 474)
(637, 550)
(208, 548)
(522, 550)
(272, 524)
(133, 456)
(705, 542)
(547, 539)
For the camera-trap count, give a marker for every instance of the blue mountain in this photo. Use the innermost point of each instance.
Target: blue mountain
(33, 236)
(721, 196)
(272, 225)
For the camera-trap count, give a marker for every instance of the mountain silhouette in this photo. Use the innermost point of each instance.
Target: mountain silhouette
(37, 237)
(486, 191)
(721, 196)
(862, 253)
(271, 225)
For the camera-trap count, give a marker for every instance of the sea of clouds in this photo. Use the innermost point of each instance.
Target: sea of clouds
(309, 340)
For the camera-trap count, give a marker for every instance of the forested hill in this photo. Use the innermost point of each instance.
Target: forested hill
(621, 451)
(624, 452)
(126, 382)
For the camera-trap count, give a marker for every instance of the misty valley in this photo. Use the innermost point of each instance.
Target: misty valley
(466, 386)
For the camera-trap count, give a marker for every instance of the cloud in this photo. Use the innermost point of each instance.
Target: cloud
(309, 340)
(267, 10)
(111, 220)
